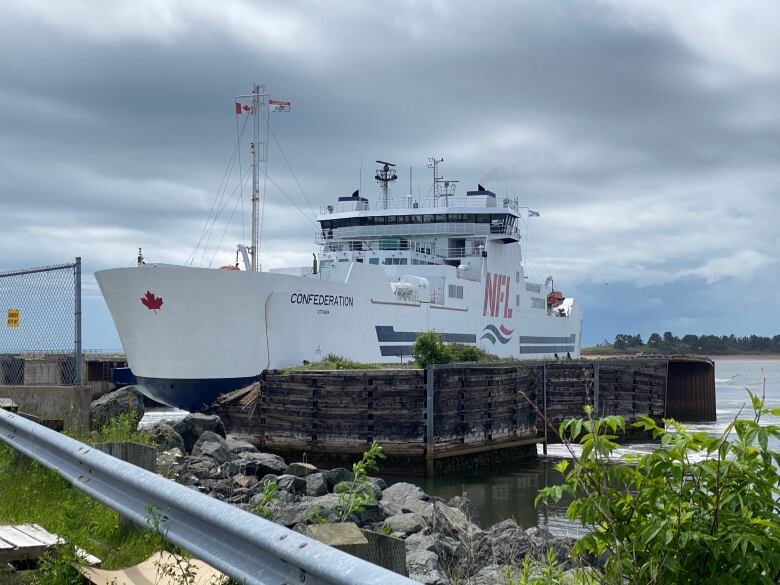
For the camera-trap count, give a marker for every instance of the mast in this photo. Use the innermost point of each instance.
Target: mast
(255, 175)
(384, 177)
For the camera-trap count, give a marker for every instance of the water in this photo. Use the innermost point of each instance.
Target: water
(508, 490)
(160, 413)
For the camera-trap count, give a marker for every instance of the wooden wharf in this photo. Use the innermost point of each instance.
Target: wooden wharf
(457, 416)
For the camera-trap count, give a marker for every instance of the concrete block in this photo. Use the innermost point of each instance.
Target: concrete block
(69, 404)
(385, 551)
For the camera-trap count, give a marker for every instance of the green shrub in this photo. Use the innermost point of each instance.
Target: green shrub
(696, 510)
(355, 494)
(469, 353)
(429, 348)
(270, 495)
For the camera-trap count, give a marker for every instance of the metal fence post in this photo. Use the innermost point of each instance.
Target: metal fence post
(544, 405)
(78, 366)
(596, 409)
(429, 436)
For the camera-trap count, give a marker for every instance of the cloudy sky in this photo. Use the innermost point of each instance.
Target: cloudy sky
(646, 133)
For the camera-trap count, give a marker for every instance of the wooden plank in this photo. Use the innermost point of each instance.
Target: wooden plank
(18, 538)
(38, 533)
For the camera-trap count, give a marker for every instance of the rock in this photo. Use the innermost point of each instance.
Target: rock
(407, 523)
(466, 506)
(212, 445)
(192, 426)
(203, 468)
(245, 481)
(453, 555)
(316, 485)
(336, 476)
(505, 543)
(421, 562)
(217, 488)
(452, 522)
(113, 404)
(259, 464)
(377, 484)
(237, 446)
(405, 497)
(269, 477)
(300, 469)
(541, 540)
(308, 511)
(292, 484)
(165, 437)
(490, 575)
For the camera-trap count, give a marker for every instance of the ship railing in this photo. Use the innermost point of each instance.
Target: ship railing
(424, 229)
(423, 203)
(397, 245)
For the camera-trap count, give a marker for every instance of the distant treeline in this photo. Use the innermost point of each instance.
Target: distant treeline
(668, 342)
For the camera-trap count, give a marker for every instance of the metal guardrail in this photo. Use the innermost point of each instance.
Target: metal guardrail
(250, 549)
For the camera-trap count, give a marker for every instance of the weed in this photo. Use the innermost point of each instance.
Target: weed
(356, 494)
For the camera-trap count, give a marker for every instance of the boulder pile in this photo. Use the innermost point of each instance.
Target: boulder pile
(444, 543)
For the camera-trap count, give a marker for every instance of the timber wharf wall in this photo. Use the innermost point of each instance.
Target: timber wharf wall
(456, 416)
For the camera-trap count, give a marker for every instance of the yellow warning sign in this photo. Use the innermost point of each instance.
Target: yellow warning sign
(12, 320)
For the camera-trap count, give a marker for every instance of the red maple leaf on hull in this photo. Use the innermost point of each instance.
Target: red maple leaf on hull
(152, 302)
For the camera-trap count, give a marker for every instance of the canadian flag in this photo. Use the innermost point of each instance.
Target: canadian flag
(242, 108)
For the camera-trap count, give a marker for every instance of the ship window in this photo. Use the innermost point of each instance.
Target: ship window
(483, 218)
(403, 219)
(417, 219)
(441, 218)
(373, 260)
(427, 218)
(327, 224)
(538, 303)
(517, 276)
(343, 259)
(390, 219)
(379, 220)
(455, 291)
(469, 218)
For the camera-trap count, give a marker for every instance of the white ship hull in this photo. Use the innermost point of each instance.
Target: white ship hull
(216, 330)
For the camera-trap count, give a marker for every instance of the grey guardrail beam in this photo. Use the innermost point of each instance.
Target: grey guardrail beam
(250, 549)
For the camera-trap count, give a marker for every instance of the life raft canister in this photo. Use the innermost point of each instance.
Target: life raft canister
(554, 298)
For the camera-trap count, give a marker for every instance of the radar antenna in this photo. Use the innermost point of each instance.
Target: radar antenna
(384, 177)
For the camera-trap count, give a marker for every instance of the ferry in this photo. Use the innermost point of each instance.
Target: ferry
(385, 271)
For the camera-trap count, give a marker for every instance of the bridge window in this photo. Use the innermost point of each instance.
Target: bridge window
(538, 303)
(455, 291)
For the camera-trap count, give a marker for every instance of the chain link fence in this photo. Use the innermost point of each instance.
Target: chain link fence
(40, 331)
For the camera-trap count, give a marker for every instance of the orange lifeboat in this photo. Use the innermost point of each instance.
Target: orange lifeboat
(229, 267)
(554, 298)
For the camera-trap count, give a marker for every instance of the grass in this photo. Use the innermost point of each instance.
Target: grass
(462, 353)
(32, 494)
(337, 362)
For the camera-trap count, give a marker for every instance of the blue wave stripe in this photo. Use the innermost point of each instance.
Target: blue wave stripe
(494, 330)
